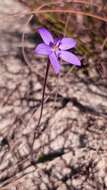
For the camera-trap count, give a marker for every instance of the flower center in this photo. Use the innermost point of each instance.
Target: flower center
(55, 47)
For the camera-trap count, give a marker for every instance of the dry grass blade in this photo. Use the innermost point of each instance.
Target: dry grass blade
(74, 1)
(72, 11)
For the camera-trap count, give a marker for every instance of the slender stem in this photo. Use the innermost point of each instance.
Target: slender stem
(42, 106)
(43, 93)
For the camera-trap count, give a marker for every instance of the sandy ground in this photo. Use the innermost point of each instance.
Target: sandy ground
(70, 148)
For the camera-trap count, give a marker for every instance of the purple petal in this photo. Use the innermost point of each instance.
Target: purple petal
(54, 62)
(45, 35)
(42, 49)
(57, 41)
(69, 57)
(67, 43)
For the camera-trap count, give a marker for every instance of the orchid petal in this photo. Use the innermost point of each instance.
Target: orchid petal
(45, 35)
(42, 49)
(70, 58)
(57, 41)
(67, 43)
(54, 62)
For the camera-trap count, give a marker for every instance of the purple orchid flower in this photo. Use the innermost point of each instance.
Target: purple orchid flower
(56, 48)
